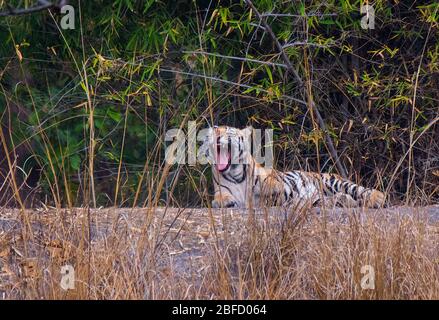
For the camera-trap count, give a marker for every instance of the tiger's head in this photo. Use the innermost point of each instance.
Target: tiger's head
(228, 146)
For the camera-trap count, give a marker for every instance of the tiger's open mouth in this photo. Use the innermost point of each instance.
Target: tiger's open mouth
(222, 157)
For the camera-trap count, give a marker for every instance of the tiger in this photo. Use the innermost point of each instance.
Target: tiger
(240, 182)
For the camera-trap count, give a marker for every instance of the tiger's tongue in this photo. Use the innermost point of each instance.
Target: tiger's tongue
(222, 160)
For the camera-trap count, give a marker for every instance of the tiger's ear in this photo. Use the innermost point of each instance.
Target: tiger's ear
(247, 131)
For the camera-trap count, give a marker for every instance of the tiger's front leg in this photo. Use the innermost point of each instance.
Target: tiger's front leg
(223, 200)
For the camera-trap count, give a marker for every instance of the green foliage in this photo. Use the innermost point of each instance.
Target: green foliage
(133, 69)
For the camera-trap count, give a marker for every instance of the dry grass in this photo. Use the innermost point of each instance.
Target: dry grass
(214, 254)
(170, 253)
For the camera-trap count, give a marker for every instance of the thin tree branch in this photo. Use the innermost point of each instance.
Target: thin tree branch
(273, 64)
(311, 103)
(241, 85)
(275, 40)
(303, 43)
(320, 15)
(42, 5)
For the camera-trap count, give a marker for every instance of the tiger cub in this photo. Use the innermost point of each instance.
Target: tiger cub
(241, 182)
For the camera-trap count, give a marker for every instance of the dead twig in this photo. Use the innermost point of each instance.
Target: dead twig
(41, 6)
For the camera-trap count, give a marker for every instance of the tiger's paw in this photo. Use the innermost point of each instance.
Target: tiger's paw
(224, 202)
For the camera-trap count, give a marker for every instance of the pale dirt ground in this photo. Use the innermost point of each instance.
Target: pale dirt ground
(180, 238)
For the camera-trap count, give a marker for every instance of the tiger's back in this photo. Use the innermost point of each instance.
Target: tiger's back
(321, 188)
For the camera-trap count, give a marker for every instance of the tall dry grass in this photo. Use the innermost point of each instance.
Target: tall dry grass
(195, 254)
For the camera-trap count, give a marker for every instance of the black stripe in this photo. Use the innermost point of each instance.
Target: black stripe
(285, 179)
(234, 179)
(328, 187)
(287, 182)
(292, 174)
(231, 204)
(225, 176)
(221, 185)
(337, 185)
(296, 176)
(332, 183)
(346, 187)
(293, 185)
(244, 173)
(354, 192)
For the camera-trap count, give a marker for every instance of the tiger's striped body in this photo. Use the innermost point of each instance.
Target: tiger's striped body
(245, 183)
